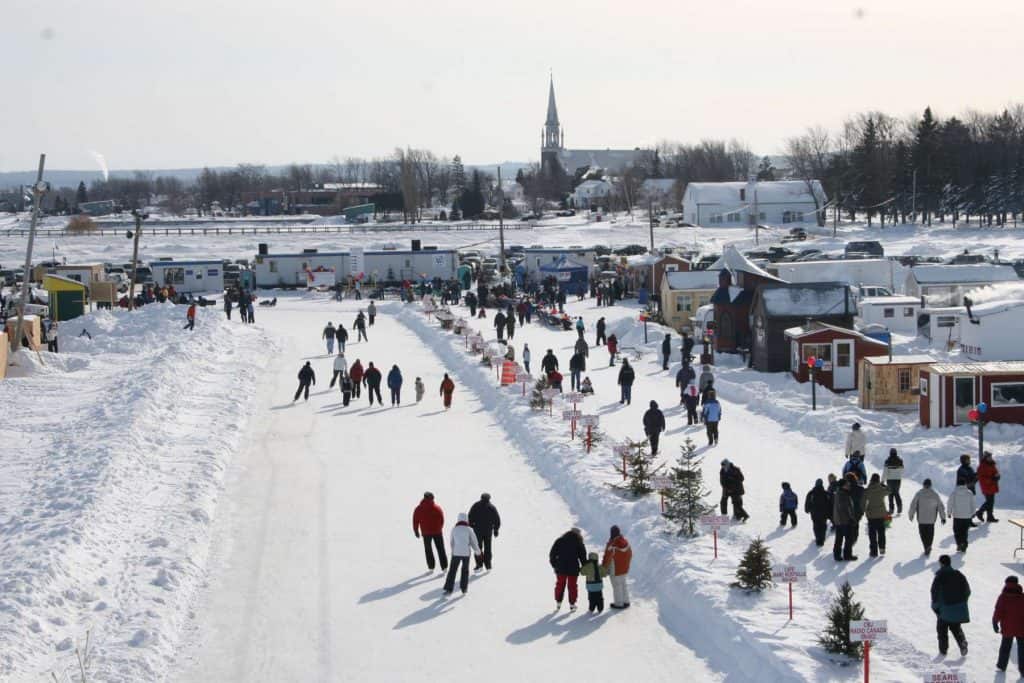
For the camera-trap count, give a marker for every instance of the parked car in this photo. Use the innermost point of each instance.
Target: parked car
(795, 235)
(867, 249)
(706, 262)
(802, 255)
(967, 258)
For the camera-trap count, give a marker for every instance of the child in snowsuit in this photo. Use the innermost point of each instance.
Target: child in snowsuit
(594, 573)
(420, 389)
(787, 505)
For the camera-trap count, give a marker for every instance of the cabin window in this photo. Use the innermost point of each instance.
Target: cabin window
(743, 194)
(888, 312)
(684, 303)
(822, 351)
(174, 276)
(1008, 394)
(908, 312)
(734, 217)
(273, 266)
(923, 388)
(945, 321)
(762, 216)
(843, 355)
(903, 378)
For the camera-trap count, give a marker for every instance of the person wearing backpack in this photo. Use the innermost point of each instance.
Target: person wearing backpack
(788, 504)
(875, 510)
(711, 413)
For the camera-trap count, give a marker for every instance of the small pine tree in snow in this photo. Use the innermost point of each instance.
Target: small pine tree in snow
(684, 502)
(638, 468)
(537, 400)
(755, 570)
(836, 636)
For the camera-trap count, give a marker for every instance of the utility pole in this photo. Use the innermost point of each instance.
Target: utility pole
(38, 190)
(501, 222)
(650, 288)
(139, 217)
(913, 198)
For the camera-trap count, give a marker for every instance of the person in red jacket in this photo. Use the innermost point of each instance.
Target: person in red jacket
(356, 373)
(617, 557)
(447, 389)
(555, 380)
(613, 347)
(988, 480)
(428, 522)
(190, 317)
(1009, 615)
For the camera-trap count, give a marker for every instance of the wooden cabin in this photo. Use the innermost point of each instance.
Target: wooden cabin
(777, 307)
(840, 348)
(890, 383)
(682, 293)
(949, 391)
(738, 278)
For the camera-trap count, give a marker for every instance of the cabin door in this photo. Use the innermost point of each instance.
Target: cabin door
(963, 399)
(843, 372)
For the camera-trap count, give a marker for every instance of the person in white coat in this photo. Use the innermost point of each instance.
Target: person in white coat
(339, 368)
(463, 541)
(856, 441)
(961, 509)
(526, 357)
(927, 507)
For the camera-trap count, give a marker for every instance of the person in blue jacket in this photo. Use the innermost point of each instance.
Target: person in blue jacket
(395, 385)
(856, 465)
(712, 415)
(788, 504)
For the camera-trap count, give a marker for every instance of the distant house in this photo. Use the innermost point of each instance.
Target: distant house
(897, 314)
(776, 307)
(738, 278)
(733, 204)
(659, 191)
(640, 266)
(949, 391)
(945, 285)
(840, 349)
(992, 331)
(592, 194)
(854, 272)
(682, 293)
(941, 326)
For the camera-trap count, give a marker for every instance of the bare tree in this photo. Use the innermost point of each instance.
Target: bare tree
(808, 157)
(405, 160)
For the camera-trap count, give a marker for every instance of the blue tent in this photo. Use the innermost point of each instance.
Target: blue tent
(572, 277)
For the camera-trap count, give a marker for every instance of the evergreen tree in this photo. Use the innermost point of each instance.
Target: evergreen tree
(923, 159)
(537, 400)
(755, 570)
(766, 171)
(836, 636)
(458, 174)
(638, 468)
(472, 201)
(684, 502)
(81, 196)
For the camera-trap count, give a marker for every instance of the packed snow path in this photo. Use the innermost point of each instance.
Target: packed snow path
(317, 574)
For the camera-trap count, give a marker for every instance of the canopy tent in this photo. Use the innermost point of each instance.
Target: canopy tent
(572, 277)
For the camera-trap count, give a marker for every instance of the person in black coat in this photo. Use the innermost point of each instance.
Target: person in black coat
(600, 333)
(306, 377)
(685, 375)
(654, 425)
(818, 504)
(626, 379)
(731, 479)
(666, 351)
(341, 335)
(499, 325)
(967, 473)
(577, 364)
(567, 555)
(486, 521)
(687, 348)
(549, 363)
(471, 302)
(371, 379)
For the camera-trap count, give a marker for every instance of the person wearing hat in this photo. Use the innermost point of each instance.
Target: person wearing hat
(988, 479)
(818, 504)
(856, 441)
(593, 574)
(306, 377)
(428, 522)
(1008, 619)
(486, 521)
(567, 555)
(731, 479)
(844, 518)
(463, 541)
(927, 507)
(950, 592)
(617, 558)
(654, 425)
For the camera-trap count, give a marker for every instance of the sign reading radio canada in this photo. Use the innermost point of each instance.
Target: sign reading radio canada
(715, 520)
(571, 414)
(661, 483)
(789, 574)
(945, 677)
(868, 629)
(572, 397)
(589, 420)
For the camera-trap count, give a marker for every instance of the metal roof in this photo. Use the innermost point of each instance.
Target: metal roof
(911, 359)
(162, 264)
(1011, 367)
(816, 327)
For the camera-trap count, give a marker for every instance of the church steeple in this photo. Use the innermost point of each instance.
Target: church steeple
(553, 137)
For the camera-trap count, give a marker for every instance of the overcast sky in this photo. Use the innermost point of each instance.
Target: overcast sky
(182, 83)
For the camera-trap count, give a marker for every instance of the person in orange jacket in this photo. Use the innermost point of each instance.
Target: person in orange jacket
(447, 389)
(617, 557)
(190, 316)
(988, 480)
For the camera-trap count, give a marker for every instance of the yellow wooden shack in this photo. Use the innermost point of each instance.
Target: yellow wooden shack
(891, 383)
(68, 298)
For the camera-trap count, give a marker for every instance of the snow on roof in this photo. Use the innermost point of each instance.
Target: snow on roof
(890, 301)
(994, 307)
(1014, 367)
(777, 191)
(692, 279)
(909, 359)
(815, 327)
(733, 261)
(974, 273)
(657, 185)
(648, 259)
(806, 299)
(564, 263)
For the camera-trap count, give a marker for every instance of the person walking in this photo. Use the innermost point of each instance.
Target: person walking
(306, 377)
(626, 378)
(926, 506)
(788, 504)
(855, 465)
(345, 385)
(1008, 619)
(582, 347)
(666, 351)
(428, 522)
(395, 385)
(328, 336)
(706, 382)
(227, 306)
(654, 425)
(988, 480)
(711, 413)
(371, 312)
(856, 441)
(950, 593)
(844, 518)
(356, 373)
(499, 325)
(961, 508)
(613, 347)
(360, 327)
(577, 364)
(967, 473)
(893, 478)
(690, 400)
(447, 389)
(420, 389)
(818, 505)
(486, 522)
(463, 542)
(593, 576)
(686, 351)
(341, 335)
(580, 327)
(684, 377)
(340, 366)
(567, 555)
(372, 378)
(876, 510)
(731, 479)
(190, 317)
(601, 339)
(510, 324)
(617, 558)
(526, 357)
(549, 363)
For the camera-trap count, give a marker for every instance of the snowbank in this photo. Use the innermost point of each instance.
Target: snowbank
(109, 475)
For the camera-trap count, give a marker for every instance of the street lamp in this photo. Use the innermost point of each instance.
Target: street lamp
(977, 416)
(643, 317)
(139, 217)
(814, 364)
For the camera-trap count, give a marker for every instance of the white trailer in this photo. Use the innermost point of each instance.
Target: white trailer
(189, 277)
(854, 272)
(290, 270)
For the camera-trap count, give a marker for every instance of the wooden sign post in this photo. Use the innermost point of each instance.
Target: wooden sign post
(571, 416)
(789, 574)
(550, 394)
(524, 378)
(661, 484)
(715, 522)
(624, 451)
(868, 631)
(589, 421)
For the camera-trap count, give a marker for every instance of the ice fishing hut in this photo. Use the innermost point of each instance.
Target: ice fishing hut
(840, 349)
(189, 276)
(890, 383)
(572, 277)
(949, 391)
(897, 314)
(992, 331)
(67, 298)
(777, 307)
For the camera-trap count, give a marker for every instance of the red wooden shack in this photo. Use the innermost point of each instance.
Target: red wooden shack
(950, 390)
(841, 350)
